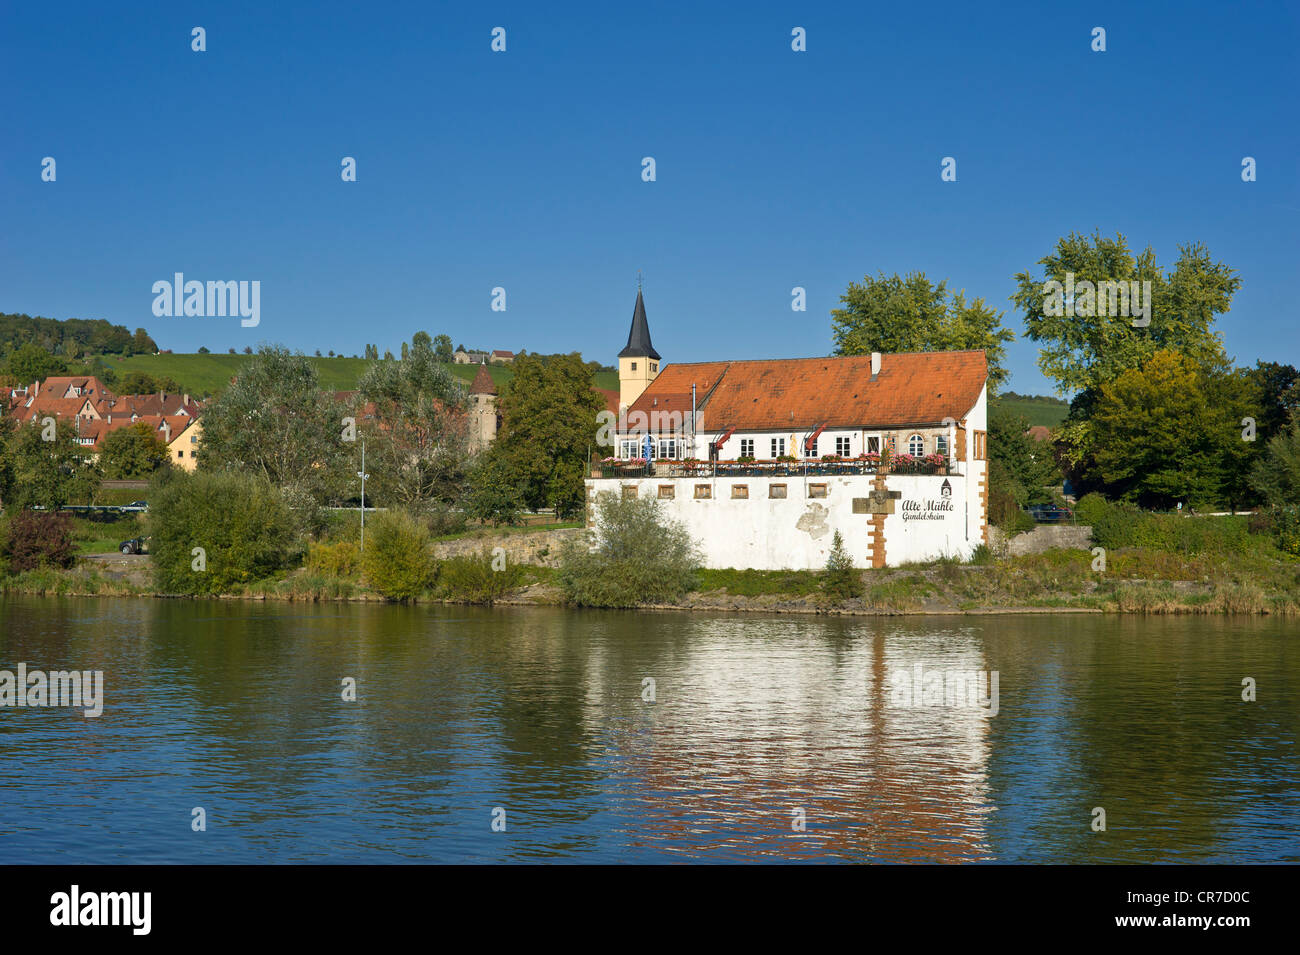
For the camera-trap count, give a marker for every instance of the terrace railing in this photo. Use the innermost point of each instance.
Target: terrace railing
(811, 467)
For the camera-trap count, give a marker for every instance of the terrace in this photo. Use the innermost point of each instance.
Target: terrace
(616, 468)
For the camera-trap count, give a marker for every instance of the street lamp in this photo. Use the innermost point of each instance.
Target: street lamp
(363, 475)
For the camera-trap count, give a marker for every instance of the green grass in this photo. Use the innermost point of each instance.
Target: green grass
(754, 583)
(209, 374)
(1039, 410)
(100, 537)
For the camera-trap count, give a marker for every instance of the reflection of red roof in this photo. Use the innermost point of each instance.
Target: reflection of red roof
(915, 388)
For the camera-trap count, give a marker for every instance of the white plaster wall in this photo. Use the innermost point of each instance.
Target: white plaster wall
(795, 533)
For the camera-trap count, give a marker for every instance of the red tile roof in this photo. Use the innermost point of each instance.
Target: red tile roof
(482, 384)
(611, 399)
(915, 388)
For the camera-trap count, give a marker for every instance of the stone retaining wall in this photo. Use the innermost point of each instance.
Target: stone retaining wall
(1044, 537)
(537, 547)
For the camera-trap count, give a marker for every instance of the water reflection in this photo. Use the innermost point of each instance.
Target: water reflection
(756, 723)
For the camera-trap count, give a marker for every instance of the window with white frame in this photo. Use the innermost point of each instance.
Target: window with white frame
(778, 447)
(746, 447)
(810, 448)
(842, 446)
(916, 446)
(668, 448)
(873, 444)
(941, 444)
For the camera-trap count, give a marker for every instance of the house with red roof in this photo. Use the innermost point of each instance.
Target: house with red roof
(766, 459)
(96, 412)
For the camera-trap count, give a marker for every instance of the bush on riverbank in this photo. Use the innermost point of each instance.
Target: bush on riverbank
(640, 557)
(478, 578)
(33, 539)
(217, 532)
(1282, 523)
(340, 558)
(398, 558)
(1123, 525)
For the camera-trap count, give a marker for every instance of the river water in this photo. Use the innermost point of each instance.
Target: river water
(537, 734)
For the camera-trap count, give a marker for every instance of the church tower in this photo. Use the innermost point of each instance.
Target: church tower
(638, 363)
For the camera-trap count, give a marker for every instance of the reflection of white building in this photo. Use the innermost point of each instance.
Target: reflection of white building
(750, 725)
(764, 460)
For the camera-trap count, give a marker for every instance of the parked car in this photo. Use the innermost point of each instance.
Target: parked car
(136, 545)
(134, 506)
(1051, 514)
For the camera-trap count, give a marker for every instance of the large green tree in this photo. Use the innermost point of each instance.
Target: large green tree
(30, 363)
(214, 532)
(1084, 347)
(417, 442)
(134, 452)
(47, 467)
(277, 422)
(893, 314)
(1276, 475)
(442, 348)
(1170, 431)
(1019, 465)
(548, 429)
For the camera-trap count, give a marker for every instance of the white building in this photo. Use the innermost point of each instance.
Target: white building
(764, 460)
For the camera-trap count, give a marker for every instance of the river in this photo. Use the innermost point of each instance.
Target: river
(535, 734)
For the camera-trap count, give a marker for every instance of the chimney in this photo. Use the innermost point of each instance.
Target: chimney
(185, 400)
(35, 389)
(875, 365)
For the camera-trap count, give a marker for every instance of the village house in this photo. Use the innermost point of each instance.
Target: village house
(96, 412)
(764, 460)
(462, 357)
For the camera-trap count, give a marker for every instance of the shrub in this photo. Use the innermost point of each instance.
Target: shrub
(443, 519)
(398, 558)
(840, 582)
(34, 539)
(241, 522)
(335, 559)
(1091, 508)
(639, 557)
(1285, 523)
(478, 578)
(1123, 525)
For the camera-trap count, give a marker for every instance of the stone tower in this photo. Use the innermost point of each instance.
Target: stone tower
(638, 363)
(482, 411)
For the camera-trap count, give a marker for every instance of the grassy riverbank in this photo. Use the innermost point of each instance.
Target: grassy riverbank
(1136, 580)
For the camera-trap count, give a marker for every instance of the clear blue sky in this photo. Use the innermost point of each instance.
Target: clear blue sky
(523, 169)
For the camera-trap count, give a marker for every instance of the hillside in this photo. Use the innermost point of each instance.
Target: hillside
(208, 374)
(1039, 409)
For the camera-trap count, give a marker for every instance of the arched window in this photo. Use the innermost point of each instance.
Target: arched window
(916, 446)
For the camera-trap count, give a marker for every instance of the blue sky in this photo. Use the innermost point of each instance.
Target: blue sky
(522, 169)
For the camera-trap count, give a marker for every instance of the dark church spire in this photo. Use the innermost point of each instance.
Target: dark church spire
(638, 338)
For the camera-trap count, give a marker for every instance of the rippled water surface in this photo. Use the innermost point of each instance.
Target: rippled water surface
(757, 724)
